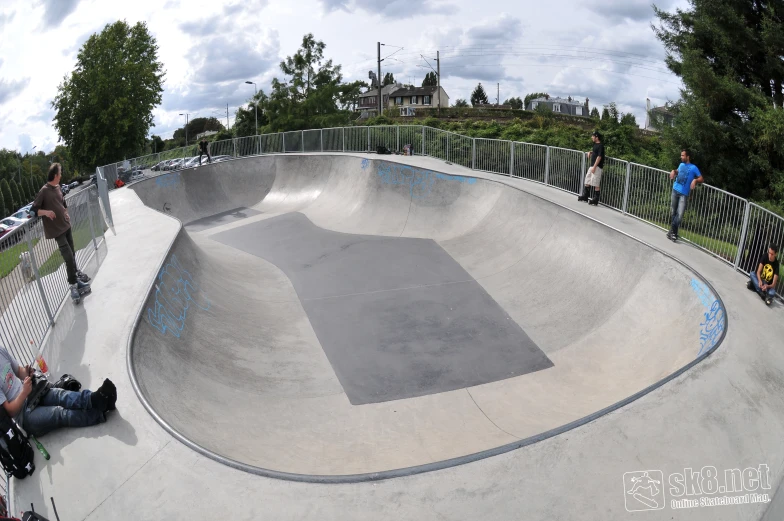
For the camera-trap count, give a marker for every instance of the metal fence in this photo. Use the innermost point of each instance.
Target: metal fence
(724, 225)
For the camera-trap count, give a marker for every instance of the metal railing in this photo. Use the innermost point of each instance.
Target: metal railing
(724, 225)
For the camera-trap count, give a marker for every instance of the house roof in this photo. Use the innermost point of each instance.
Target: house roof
(559, 100)
(385, 91)
(416, 91)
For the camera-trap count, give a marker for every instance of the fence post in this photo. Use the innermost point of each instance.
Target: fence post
(368, 139)
(423, 140)
(90, 216)
(473, 153)
(38, 274)
(397, 138)
(511, 160)
(302, 139)
(743, 234)
(447, 148)
(234, 145)
(628, 183)
(547, 167)
(583, 169)
(283, 134)
(343, 132)
(321, 139)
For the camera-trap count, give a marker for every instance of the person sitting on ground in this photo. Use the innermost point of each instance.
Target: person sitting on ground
(764, 280)
(57, 408)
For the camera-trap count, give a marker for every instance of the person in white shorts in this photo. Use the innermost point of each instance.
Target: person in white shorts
(593, 177)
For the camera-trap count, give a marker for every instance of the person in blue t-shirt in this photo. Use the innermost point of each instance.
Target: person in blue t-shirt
(688, 175)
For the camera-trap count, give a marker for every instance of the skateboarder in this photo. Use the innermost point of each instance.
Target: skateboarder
(688, 177)
(204, 149)
(764, 280)
(594, 174)
(57, 408)
(50, 205)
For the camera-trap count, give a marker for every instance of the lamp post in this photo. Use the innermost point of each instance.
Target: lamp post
(255, 104)
(186, 127)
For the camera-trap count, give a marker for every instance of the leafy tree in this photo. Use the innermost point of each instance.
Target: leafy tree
(104, 109)
(196, 126)
(156, 143)
(515, 103)
(245, 118)
(595, 113)
(731, 113)
(8, 198)
(431, 80)
(533, 96)
(16, 195)
(223, 134)
(606, 114)
(313, 94)
(460, 102)
(389, 79)
(479, 96)
(628, 120)
(4, 210)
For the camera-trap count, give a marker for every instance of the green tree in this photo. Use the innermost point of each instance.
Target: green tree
(479, 96)
(534, 95)
(628, 120)
(104, 109)
(156, 144)
(460, 102)
(606, 114)
(3, 208)
(431, 80)
(515, 103)
(16, 196)
(595, 113)
(731, 113)
(245, 117)
(8, 199)
(389, 79)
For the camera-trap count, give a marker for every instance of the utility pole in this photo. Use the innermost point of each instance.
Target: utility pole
(438, 77)
(227, 117)
(379, 78)
(498, 95)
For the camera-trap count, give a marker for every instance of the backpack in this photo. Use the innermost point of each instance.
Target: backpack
(16, 453)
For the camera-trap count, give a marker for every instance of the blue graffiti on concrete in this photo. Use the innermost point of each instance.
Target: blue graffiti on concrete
(365, 163)
(175, 292)
(419, 181)
(712, 324)
(169, 180)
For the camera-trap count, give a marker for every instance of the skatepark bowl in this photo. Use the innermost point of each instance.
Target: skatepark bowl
(336, 318)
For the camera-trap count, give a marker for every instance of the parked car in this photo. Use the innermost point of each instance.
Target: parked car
(12, 223)
(4, 229)
(65, 189)
(137, 176)
(219, 159)
(22, 215)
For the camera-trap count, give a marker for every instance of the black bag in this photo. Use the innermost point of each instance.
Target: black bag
(381, 149)
(41, 386)
(16, 453)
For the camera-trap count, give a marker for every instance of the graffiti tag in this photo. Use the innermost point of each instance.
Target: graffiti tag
(419, 181)
(175, 293)
(166, 181)
(712, 324)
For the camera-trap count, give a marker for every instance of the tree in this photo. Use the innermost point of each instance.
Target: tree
(479, 96)
(728, 56)
(103, 111)
(389, 79)
(3, 208)
(605, 114)
(628, 120)
(245, 117)
(595, 113)
(534, 95)
(8, 198)
(460, 102)
(515, 103)
(313, 94)
(16, 196)
(431, 80)
(156, 144)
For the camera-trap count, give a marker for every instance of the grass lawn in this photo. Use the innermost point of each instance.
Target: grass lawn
(9, 258)
(81, 236)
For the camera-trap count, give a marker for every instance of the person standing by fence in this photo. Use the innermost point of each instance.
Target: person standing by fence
(50, 205)
(593, 176)
(688, 177)
(204, 149)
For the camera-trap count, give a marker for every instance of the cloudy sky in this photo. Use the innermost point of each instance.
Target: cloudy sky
(605, 51)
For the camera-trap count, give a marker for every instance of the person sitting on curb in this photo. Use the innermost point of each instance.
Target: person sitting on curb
(767, 275)
(57, 408)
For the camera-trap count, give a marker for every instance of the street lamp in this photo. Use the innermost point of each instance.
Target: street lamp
(255, 104)
(186, 127)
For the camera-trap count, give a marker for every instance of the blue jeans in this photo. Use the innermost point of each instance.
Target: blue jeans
(61, 408)
(677, 209)
(755, 281)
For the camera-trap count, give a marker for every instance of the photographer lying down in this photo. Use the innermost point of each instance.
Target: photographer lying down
(40, 408)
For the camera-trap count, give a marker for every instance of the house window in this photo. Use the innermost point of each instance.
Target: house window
(578, 111)
(534, 104)
(399, 100)
(426, 100)
(556, 107)
(413, 100)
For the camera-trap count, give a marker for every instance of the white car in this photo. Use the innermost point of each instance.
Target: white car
(137, 176)
(22, 215)
(12, 222)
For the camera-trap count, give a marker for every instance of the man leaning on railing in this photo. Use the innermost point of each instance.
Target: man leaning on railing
(688, 177)
(51, 206)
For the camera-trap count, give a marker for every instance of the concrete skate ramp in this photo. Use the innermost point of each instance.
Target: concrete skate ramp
(338, 318)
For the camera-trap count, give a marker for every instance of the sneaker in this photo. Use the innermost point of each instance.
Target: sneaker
(769, 300)
(671, 235)
(82, 276)
(82, 285)
(750, 286)
(108, 389)
(75, 295)
(99, 400)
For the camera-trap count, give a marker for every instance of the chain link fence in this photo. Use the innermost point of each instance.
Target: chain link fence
(724, 225)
